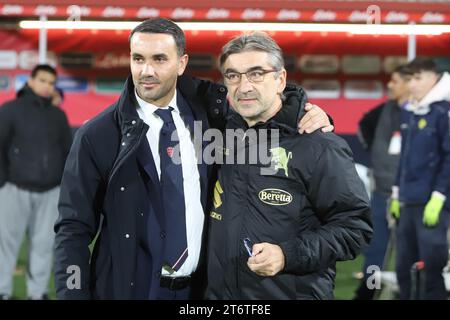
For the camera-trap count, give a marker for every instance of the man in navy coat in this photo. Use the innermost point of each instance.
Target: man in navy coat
(113, 181)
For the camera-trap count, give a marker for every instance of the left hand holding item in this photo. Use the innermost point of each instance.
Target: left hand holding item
(266, 260)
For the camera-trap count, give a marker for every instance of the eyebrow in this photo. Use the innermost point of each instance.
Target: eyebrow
(155, 56)
(250, 69)
(159, 55)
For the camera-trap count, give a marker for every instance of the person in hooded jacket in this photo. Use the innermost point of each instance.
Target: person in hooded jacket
(35, 139)
(287, 207)
(422, 187)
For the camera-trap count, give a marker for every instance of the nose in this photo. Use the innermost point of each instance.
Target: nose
(148, 70)
(245, 85)
(49, 88)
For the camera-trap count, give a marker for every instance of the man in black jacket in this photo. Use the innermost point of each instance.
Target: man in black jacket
(35, 139)
(116, 180)
(379, 133)
(281, 222)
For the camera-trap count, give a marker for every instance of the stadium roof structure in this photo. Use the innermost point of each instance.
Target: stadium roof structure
(305, 11)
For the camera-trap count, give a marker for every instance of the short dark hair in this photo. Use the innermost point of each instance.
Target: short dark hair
(161, 25)
(423, 64)
(403, 71)
(43, 67)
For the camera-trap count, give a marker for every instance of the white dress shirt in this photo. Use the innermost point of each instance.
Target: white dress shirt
(191, 178)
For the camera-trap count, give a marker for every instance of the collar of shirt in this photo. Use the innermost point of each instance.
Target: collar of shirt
(149, 108)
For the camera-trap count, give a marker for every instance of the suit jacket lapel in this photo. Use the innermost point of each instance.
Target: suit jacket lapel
(191, 112)
(145, 159)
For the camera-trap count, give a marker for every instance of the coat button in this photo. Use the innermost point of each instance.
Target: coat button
(128, 134)
(216, 111)
(163, 235)
(131, 284)
(133, 122)
(219, 100)
(122, 188)
(127, 236)
(142, 214)
(123, 144)
(222, 89)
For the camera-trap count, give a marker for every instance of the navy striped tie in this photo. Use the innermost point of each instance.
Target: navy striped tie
(176, 250)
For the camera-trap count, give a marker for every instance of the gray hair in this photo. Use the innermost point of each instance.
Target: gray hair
(255, 41)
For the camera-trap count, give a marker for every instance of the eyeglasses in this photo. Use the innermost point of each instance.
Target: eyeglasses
(253, 76)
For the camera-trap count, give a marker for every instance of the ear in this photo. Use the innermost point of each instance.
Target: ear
(182, 64)
(282, 75)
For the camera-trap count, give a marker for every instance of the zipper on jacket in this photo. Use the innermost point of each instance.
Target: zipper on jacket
(243, 219)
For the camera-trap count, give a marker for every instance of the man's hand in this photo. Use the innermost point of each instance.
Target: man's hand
(394, 208)
(314, 119)
(267, 259)
(433, 210)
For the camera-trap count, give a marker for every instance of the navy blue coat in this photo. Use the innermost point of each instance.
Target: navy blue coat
(108, 181)
(425, 155)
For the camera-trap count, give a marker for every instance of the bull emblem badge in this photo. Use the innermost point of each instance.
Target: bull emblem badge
(280, 159)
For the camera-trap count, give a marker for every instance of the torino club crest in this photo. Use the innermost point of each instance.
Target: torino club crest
(170, 152)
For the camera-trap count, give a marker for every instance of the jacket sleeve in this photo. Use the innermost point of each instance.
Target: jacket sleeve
(404, 118)
(442, 184)
(367, 126)
(293, 109)
(395, 188)
(340, 202)
(66, 134)
(294, 105)
(5, 137)
(209, 95)
(78, 221)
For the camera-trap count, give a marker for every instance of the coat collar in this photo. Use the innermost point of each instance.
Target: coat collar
(440, 92)
(126, 104)
(294, 99)
(27, 93)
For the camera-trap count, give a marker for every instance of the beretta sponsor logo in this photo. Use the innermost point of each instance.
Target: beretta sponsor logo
(275, 197)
